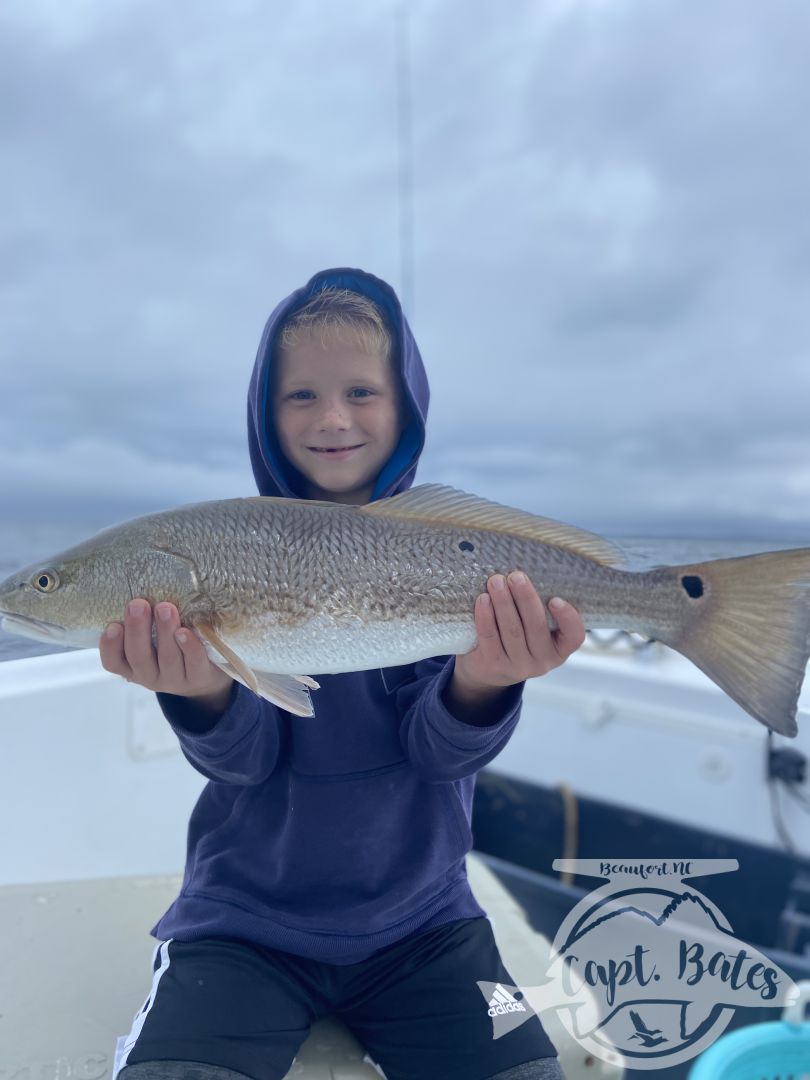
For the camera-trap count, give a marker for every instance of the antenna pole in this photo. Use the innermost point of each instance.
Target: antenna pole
(405, 161)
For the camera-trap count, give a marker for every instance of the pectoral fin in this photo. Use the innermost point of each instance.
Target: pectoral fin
(290, 692)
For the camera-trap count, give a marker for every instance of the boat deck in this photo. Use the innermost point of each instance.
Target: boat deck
(77, 967)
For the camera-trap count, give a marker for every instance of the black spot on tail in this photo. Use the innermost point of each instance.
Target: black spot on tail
(693, 585)
(465, 545)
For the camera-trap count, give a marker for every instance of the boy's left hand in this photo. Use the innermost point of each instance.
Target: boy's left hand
(514, 640)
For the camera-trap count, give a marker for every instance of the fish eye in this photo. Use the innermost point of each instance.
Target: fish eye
(45, 581)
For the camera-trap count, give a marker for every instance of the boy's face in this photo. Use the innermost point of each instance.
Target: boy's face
(336, 411)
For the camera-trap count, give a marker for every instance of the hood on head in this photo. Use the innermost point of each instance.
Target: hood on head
(274, 474)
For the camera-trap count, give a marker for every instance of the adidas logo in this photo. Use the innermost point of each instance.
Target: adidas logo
(503, 1002)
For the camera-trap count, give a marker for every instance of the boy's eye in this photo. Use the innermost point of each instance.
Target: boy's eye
(306, 395)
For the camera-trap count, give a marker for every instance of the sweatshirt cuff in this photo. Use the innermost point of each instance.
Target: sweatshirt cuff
(238, 720)
(470, 736)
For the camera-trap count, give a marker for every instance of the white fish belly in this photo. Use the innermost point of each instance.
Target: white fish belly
(327, 644)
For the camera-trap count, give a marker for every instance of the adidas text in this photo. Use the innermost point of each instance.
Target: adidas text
(503, 1002)
(512, 1006)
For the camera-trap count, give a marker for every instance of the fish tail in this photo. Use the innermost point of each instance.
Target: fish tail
(748, 628)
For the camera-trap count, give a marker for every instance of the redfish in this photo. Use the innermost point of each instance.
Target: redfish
(279, 587)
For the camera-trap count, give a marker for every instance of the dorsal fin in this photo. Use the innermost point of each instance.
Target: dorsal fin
(438, 504)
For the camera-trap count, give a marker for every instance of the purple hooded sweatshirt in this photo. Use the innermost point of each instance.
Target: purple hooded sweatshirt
(335, 835)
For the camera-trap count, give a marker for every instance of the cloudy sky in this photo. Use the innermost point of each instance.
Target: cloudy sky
(611, 244)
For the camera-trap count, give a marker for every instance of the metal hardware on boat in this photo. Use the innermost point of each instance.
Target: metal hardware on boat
(714, 766)
(598, 713)
(621, 643)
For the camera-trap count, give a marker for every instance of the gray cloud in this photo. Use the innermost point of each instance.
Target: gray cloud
(612, 244)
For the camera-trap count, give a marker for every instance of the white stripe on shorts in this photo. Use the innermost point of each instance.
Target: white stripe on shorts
(127, 1042)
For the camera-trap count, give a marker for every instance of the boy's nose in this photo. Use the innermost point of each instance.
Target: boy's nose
(334, 414)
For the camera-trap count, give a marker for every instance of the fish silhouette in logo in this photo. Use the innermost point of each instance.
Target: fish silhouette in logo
(648, 970)
(665, 970)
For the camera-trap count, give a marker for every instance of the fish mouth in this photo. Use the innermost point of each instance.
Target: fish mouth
(28, 626)
(50, 633)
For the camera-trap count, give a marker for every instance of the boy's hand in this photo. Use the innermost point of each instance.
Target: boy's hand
(514, 641)
(179, 664)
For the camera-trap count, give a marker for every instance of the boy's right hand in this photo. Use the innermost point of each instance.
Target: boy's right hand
(179, 664)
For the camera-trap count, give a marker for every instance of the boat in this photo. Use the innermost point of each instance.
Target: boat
(627, 751)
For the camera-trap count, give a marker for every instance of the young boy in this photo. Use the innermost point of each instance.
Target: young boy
(325, 870)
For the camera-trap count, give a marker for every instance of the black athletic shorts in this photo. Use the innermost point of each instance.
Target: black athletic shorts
(414, 1006)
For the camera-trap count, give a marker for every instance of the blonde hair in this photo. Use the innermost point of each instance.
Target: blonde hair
(343, 314)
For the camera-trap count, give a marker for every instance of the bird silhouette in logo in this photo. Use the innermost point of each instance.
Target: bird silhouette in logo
(645, 1035)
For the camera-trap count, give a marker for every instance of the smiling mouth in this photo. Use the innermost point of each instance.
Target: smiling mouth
(334, 449)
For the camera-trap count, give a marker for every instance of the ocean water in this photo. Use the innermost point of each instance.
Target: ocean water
(24, 543)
